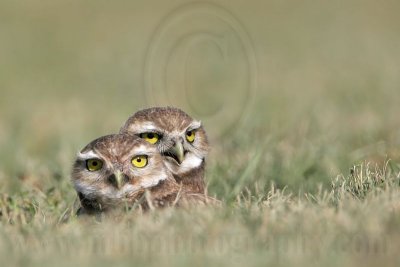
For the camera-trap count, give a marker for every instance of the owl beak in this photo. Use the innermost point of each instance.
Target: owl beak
(177, 152)
(118, 179)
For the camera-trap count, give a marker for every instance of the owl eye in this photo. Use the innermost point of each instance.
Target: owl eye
(140, 161)
(190, 135)
(152, 138)
(94, 164)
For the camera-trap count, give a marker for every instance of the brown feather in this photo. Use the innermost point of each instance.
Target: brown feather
(168, 121)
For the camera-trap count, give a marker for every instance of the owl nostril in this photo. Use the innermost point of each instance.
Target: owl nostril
(178, 140)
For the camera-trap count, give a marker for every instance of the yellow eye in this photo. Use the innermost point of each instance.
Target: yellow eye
(152, 138)
(139, 161)
(190, 135)
(94, 164)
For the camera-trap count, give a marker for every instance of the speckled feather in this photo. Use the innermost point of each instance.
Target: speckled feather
(172, 122)
(97, 194)
(167, 118)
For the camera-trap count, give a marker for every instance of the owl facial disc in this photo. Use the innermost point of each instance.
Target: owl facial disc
(180, 139)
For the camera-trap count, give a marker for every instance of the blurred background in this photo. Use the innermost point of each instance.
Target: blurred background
(291, 92)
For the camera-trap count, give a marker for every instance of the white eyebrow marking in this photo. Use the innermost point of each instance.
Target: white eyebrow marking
(148, 126)
(143, 150)
(144, 127)
(87, 155)
(194, 125)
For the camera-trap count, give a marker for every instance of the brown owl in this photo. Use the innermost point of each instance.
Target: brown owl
(115, 171)
(181, 140)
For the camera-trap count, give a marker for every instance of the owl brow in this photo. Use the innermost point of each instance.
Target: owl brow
(194, 126)
(148, 127)
(88, 155)
(154, 131)
(142, 151)
(141, 131)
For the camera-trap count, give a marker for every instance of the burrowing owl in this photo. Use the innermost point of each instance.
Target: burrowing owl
(116, 170)
(180, 139)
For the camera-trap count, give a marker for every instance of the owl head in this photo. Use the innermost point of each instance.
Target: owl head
(116, 169)
(179, 138)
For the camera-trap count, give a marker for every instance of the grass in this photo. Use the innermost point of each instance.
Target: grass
(309, 177)
(354, 223)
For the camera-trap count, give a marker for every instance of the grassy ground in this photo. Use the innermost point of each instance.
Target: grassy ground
(305, 174)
